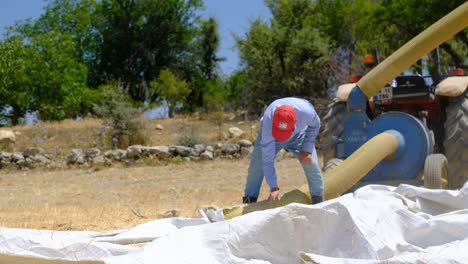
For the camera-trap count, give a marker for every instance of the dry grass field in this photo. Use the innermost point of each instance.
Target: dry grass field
(60, 137)
(119, 197)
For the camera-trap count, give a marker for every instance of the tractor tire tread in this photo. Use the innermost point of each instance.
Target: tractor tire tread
(456, 140)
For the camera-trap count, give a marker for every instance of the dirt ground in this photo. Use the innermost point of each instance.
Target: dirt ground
(113, 198)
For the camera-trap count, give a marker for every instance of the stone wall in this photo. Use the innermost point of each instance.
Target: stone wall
(36, 157)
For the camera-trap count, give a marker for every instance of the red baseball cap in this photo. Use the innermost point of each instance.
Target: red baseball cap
(284, 120)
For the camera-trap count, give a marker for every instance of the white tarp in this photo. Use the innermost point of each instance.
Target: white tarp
(376, 224)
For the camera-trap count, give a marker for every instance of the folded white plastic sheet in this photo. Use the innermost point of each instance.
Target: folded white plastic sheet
(376, 224)
(30, 246)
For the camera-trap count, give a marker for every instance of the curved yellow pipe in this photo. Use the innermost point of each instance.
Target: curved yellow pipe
(356, 166)
(408, 54)
(336, 181)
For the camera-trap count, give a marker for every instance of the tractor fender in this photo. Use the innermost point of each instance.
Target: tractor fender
(452, 86)
(343, 91)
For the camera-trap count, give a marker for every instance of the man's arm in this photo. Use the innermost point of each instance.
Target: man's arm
(311, 134)
(268, 151)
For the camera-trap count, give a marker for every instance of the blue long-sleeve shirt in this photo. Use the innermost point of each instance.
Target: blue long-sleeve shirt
(308, 123)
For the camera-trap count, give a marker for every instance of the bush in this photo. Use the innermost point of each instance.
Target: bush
(123, 119)
(189, 138)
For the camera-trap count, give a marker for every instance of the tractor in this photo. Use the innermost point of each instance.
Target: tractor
(433, 117)
(391, 130)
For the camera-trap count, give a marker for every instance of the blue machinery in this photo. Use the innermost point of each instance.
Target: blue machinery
(415, 141)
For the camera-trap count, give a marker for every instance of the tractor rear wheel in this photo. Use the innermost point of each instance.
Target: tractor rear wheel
(435, 171)
(333, 127)
(456, 140)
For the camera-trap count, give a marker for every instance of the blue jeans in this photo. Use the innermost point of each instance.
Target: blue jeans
(255, 173)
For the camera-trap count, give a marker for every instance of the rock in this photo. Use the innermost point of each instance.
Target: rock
(31, 151)
(246, 151)
(218, 146)
(170, 213)
(172, 150)
(159, 127)
(5, 155)
(74, 156)
(116, 154)
(245, 143)
(4, 163)
(235, 132)
(134, 152)
(230, 149)
(183, 151)
(17, 133)
(7, 136)
(32, 163)
(145, 151)
(17, 156)
(206, 155)
(91, 153)
(161, 152)
(100, 160)
(217, 153)
(199, 148)
(24, 163)
(40, 159)
(209, 148)
(81, 160)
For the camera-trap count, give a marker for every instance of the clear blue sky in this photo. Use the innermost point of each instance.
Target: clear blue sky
(233, 16)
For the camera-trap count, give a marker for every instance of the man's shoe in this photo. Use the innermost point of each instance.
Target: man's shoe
(249, 199)
(317, 199)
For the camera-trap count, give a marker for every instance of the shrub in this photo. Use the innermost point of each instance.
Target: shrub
(215, 100)
(124, 120)
(188, 137)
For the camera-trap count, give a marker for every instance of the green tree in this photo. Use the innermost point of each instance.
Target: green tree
(397, 22)
(209, 45)
(215, 96)
(204, 56)
(171, 90)
(236, 90)
(345, 54)
(15, 83)
(42, 74)
(215, 102)
(140, 38)
(76, 18)
(287, 57)
(57, 78)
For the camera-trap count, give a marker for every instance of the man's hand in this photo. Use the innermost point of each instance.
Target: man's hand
(274, 194)
(305, 157)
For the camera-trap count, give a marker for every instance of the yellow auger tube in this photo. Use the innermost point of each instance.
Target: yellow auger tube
(408, 54)
(336, 181)
(356, 166)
